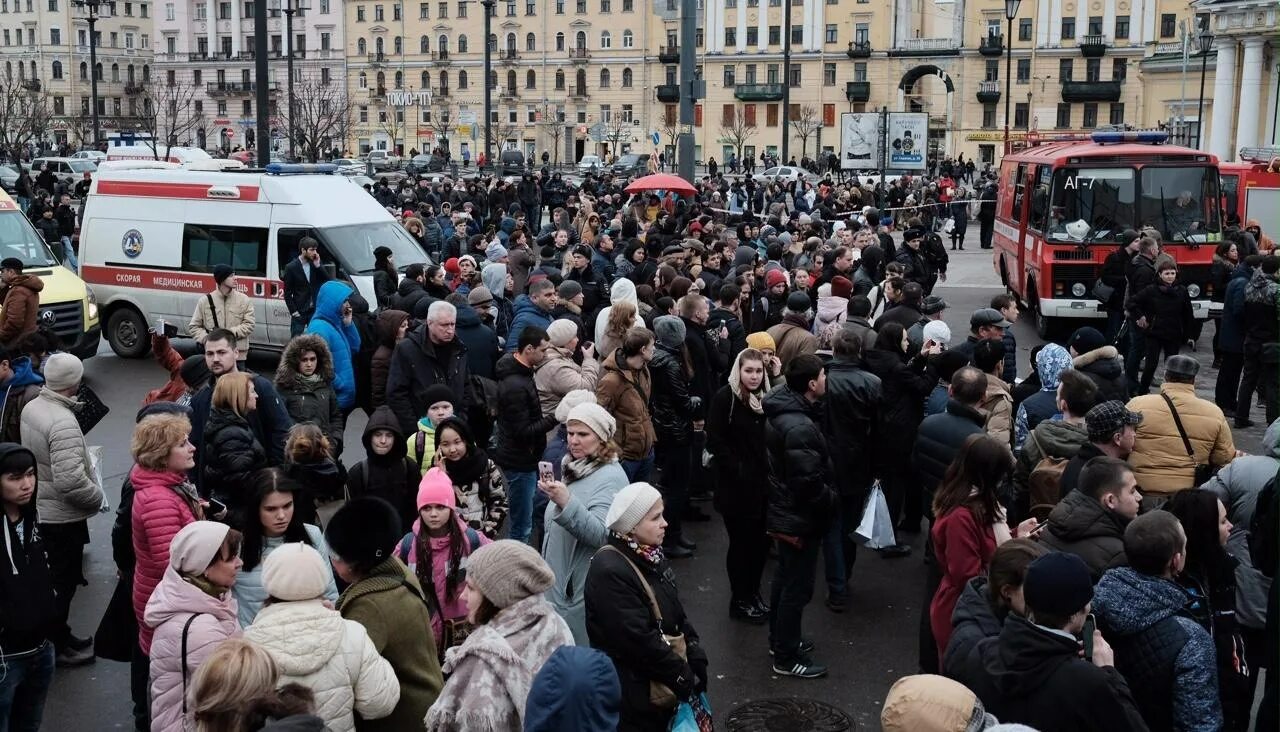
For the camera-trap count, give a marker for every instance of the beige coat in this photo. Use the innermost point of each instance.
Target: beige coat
(558, 375)
(998, 406)
(233, 312)
(1159, 459)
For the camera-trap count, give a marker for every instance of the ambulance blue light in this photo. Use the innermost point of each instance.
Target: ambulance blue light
(1147, 136)
(300, 168)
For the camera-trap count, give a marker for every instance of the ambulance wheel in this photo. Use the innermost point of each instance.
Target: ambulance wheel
(127, 333)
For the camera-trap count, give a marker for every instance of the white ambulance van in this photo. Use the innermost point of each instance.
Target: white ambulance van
(153, 232)
(144, 151)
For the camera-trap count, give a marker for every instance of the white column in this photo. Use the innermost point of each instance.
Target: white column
(1269, 135)
(957, 25)
(1251, 93)
(1109, 20)
(235, 28)
(1055, 21)
(211, 19)
(1042, 24)
(762, 23)
(1082, 19)
(1149, 20)
(1224, 90)
(742, 27)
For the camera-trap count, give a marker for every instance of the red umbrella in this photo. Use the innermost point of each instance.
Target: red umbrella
(661, 182)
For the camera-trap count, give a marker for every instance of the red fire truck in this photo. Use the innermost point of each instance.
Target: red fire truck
(1062, 204)
(1251, 187)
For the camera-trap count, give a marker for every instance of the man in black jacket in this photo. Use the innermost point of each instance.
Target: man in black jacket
(987, 215)
(726, 314)
(853, 408)
(302, 279)
(521, 430)
(801, 499)
(1115, 274)
(430, 354)
(411, 290)
(941, 436)
(917, 265)
(1141, 272)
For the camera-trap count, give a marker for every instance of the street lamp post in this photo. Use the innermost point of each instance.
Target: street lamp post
(92, 7)
(1010, 12)
(289, 7)
(489, 6)
(1206, 44)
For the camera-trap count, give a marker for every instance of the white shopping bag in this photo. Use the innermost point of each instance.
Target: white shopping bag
(875, 531)
(95, 467)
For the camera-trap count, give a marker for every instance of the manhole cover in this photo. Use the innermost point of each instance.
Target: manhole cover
(788, 715)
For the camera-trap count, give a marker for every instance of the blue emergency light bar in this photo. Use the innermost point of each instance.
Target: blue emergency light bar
(1154, 137)
(301, 168)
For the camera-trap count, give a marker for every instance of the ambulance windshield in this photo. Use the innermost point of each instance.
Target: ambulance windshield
(19, 239)
(353, 245)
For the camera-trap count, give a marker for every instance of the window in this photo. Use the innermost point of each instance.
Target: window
(1020, 115)
(606, 40)
(442, 10)
(362, 81)
(727, 115)
(530, 42)
(1093, 69)
(359, 13)
(606, 6)
(559, 41)
(1024, 29)
(628, 39)
(797, 34)
(1068, 28)
(749, 114)
(860, 71)
(57, 69)
(771, 115)
(751, 74)
(728, 76)
(604, 78)
(559, 7)
(992, 70)
(530, 7)
(1023, 75)
(627, 78)
(1064, 69)
(1122, 27)
(559, 80)
(989, 115)
(55, 37)
(829, 74)
(424, 11)
(628, 6)
(1119, 69)
(1116, 114)
(795, 76)
(511, 8)
(324, 76)
(464, 81)
(775, 35)
(831, 35)
(207, 245)
(1168, 25)
(424, 45)
(530, 79)
(730, 36)
(581, 7)
(224, 11)
(1090, 119)
(1095, 25)
(324, 7)
(462, 44)
(1064, 116)
(378, 15)
(398, 45)
(395, 11)
(753, 35)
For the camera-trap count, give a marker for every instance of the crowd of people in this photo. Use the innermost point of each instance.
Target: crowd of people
(549, 407)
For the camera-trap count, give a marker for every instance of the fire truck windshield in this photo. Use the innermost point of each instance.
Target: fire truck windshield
(1089, 205)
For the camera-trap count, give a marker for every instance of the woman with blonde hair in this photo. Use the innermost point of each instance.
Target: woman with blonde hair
(235, 690)
(231, 451)
(622, 317)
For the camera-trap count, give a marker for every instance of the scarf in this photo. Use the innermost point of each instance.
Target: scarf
(311, 382)
(648, 555)
(201, 582)
(754, 399)
(575, 470)
(469, 468)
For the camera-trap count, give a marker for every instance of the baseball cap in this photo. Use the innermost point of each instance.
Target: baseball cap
(1107, 418)
(987, 316)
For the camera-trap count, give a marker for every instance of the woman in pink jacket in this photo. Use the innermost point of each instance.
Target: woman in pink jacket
(163, 502)
(440, 533)
(190, 612)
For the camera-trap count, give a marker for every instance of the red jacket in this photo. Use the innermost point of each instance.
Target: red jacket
(171, 361)
(964, 549)
(160, 510)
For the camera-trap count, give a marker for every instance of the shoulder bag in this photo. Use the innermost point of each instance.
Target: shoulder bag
(1203, 471)
(660, 695)
(213, 309)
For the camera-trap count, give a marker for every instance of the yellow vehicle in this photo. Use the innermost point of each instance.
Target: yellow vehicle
(67, 306)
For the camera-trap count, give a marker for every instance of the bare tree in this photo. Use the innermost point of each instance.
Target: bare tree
(79, 127)
(320, 111)
(168, 115)
(670, 128)
(617, 131)
(805, 121)
(443, 122)
(499, 133)
(553, 127)
(390, 122)
(24, 116)
(736, 131)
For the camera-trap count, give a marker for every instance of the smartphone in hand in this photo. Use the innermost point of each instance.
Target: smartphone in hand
(545, 471)
(1090, 626)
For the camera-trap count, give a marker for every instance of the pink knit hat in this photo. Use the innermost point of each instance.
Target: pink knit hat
(436, 489)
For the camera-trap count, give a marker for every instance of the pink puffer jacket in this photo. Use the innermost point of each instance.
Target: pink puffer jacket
(174, 601)
(159, 513)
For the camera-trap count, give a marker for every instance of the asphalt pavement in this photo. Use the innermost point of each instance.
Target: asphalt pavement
(868, 647)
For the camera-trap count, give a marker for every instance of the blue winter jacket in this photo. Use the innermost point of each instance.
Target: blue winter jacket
(1231, 327)
(526, 314)
(576, 689)
(343, 339)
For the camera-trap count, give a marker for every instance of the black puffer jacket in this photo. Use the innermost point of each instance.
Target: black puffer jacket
(408, 294)
(393, 477)
(231, 455)
(520, 430)
(973, 620)
(917, 265)
(903, 388)
(620, 623)
(1167, 309)
(312, 401)
(854, 404)
(939, 440)
(1105, 368)
(671, 402)
(418, 363)
(1082, 526)
(735, 438)
(801, 493)
(1112, 274)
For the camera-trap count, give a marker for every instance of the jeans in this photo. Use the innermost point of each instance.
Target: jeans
(792, 589)
(986, 228)
(1154, 347)
(520, 488)
(1115, 320)
(674, 461)
(839, 552)
(23, 688)
(1137, 349)
(297, 325)
(1257, 375)
(638, 470)
(747, 553)
(1228, 383)
(64, 546)
(69, 255)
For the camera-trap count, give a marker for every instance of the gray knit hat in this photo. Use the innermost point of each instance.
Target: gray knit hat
(630, 506)
(508, 571)
(596, 418)
(669, 330)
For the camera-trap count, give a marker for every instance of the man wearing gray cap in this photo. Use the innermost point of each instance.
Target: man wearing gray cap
(986, 324)
(1182, 438)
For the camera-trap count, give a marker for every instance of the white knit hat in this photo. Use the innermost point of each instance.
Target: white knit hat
(938, 332)
(561, 332)
(571, 400)
(295, 572)
(595, 417)
(630, 506)
(63, 371)
(194, 547)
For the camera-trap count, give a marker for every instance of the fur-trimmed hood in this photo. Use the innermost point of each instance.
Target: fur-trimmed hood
(287, 371)
(1098, 354)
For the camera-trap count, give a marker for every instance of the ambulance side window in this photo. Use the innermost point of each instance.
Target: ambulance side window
(287, 246)
(242, 247)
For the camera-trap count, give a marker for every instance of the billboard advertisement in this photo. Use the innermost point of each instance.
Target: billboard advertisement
(860, 141)
(908, 140)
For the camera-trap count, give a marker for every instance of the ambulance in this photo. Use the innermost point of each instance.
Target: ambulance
(67, 306)
(154, 231)
(144, 151)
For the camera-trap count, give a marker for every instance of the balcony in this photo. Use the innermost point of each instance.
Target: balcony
(441, 57)
(201, 56)
(508, 56)
(1093, 46)
(992, 46)
(31, 85)
(857, 91)
(758, 92)
(440, 91)
(859, 49)
(377, 59)
(509, 92)
(988, 91)
(1091, 91)
(578, 94)
(379, 92)
(669, 54)
(135, 87)
(927, 47)
(227, 88)
(579, 55)
(668, 93)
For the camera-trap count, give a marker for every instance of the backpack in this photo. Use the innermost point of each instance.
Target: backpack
(1045, 482)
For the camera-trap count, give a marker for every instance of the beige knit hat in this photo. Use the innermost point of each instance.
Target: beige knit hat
(596, 418)
(295, 572)
(571, 400)
(630, 506)
(561, 332)
(508, 571)
(194, 547)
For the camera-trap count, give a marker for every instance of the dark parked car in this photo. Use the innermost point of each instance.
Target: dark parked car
(631, 165)
(511, 162)
(420, 164)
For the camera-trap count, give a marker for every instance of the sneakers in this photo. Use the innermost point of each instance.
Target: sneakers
(79, 644)
(800, 668)
(897, 551)
(836, 603)
(747, 612)
(71, 657)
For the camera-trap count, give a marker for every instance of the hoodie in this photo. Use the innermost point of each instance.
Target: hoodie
(1167, 658)
(577, 689)
(392, 477)
(1053, 438)
(343, 338)
(1050, 363)
(494, 277)
(386, 328)
(26, 589)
